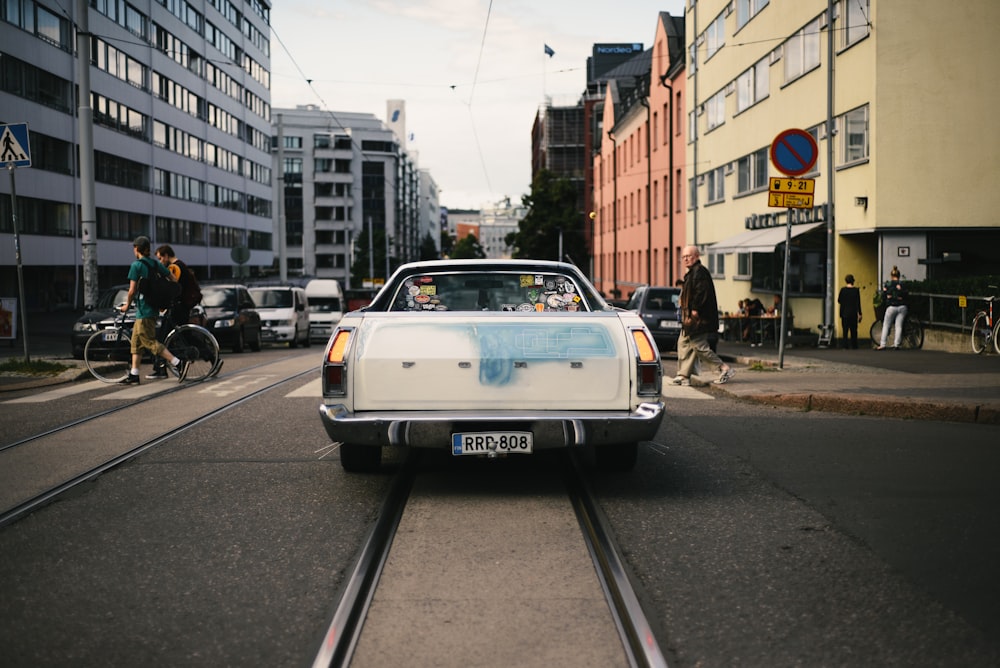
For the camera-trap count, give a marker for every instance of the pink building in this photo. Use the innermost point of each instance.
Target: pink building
(639, 174)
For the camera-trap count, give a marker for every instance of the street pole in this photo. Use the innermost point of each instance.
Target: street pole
(85, 125)
(784, 290)
(17, 258)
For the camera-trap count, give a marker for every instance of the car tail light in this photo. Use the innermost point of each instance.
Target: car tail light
(647, 359)
(335, 366)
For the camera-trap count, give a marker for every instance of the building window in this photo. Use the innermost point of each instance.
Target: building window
(743, 265)
(751, 172)
(716, 186)
(715, 35)
(853, 128)
(715, 107)
(747, 9)
(855, 22)
(753, 85)
(801, 51)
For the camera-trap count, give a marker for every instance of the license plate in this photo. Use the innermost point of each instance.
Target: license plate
(669, 324)
(110, 335)
(484, 442)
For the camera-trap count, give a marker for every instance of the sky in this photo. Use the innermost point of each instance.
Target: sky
(473, 73)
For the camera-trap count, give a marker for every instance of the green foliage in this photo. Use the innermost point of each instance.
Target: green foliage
(19, 366)
(428, 250)
(468, 249)
(948, 310)
(360, 268)
(552, 208)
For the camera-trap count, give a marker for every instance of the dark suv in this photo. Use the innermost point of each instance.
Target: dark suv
(657, 306)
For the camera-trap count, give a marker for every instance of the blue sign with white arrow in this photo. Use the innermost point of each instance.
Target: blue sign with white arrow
(14, 146)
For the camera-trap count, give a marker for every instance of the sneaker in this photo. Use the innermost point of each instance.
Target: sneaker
(157, 374)
(130, 379)
(182, 370)
(681, 380)
(725, 377)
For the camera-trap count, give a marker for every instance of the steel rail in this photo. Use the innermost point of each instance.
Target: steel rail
(634, 628)
(110, 411)
(344, 630)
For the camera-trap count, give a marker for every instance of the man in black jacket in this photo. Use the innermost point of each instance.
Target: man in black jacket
(699, 319)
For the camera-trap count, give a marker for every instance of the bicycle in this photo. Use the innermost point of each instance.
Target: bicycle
(913, 333)
(108, 352)
(986, 328)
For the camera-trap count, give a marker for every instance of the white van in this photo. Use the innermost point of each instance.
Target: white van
(326, 307)
(284, 314)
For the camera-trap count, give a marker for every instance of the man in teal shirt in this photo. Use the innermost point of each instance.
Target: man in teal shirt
(144, 331)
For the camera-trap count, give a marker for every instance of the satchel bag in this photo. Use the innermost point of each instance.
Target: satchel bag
(158, 290)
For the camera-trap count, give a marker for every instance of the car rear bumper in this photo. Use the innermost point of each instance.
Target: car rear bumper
(433, 429)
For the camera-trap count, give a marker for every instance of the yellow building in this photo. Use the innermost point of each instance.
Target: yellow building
(903, 179)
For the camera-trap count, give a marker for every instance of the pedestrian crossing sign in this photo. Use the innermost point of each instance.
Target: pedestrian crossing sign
(14, 147)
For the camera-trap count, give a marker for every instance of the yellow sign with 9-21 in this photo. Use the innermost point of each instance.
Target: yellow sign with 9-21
(791, 193)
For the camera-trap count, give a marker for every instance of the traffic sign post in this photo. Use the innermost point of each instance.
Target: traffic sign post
(15, 151)
(794, 153)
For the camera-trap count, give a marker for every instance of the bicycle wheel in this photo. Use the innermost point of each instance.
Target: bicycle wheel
(996, 333)
(198, 347)
(913, 334)
(108, 355)
(980, 334)
(875, 333)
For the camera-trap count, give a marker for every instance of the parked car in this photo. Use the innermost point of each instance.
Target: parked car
(284, 314)
(490, 357)
(231, 315)
(326, 307)
(658, 306)
(101, 316)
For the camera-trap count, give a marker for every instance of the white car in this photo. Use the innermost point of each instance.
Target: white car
(490, 357)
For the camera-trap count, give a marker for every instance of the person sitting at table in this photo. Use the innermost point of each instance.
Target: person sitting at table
(754, 307)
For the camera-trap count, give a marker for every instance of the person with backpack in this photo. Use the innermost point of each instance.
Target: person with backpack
(179, 312)
(144, 330)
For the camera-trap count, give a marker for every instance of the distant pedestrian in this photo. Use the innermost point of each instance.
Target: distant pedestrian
(699, 320)
(850, 312)
(144, 330)
(895, 296)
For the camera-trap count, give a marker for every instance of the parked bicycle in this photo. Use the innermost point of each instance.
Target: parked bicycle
(913, 333)
(986, 328)
(108, 352)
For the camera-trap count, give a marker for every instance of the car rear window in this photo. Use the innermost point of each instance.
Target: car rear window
(494, 291)
(662, 300)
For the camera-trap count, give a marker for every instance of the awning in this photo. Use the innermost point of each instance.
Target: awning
(759, 241)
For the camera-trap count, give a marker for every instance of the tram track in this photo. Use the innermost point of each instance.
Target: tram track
(638, 640)
(25, 485)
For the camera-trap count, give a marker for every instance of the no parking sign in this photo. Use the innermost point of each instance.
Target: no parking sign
(794, 152)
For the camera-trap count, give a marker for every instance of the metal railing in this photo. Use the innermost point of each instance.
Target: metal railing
(943, 311)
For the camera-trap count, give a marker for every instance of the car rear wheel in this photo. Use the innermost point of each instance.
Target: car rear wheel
(239, 344)
(360, 458)
(617, 457)
(257, 343)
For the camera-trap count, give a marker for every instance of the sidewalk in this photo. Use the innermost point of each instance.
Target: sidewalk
(918, 385)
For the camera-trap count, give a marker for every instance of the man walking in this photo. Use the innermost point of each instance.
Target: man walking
(144, 330)
(699, 319)
(179, 312)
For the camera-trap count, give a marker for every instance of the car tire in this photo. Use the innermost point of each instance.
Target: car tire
(616, 457)
(239, 344)
(294, 341)
(258, 342)
(356, 458)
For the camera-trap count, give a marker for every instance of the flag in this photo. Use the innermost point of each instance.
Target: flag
(548, 51)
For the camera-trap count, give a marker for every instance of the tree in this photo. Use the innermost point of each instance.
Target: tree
(552, 207)
(468, 248)
(360, 266)
(428, 249)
